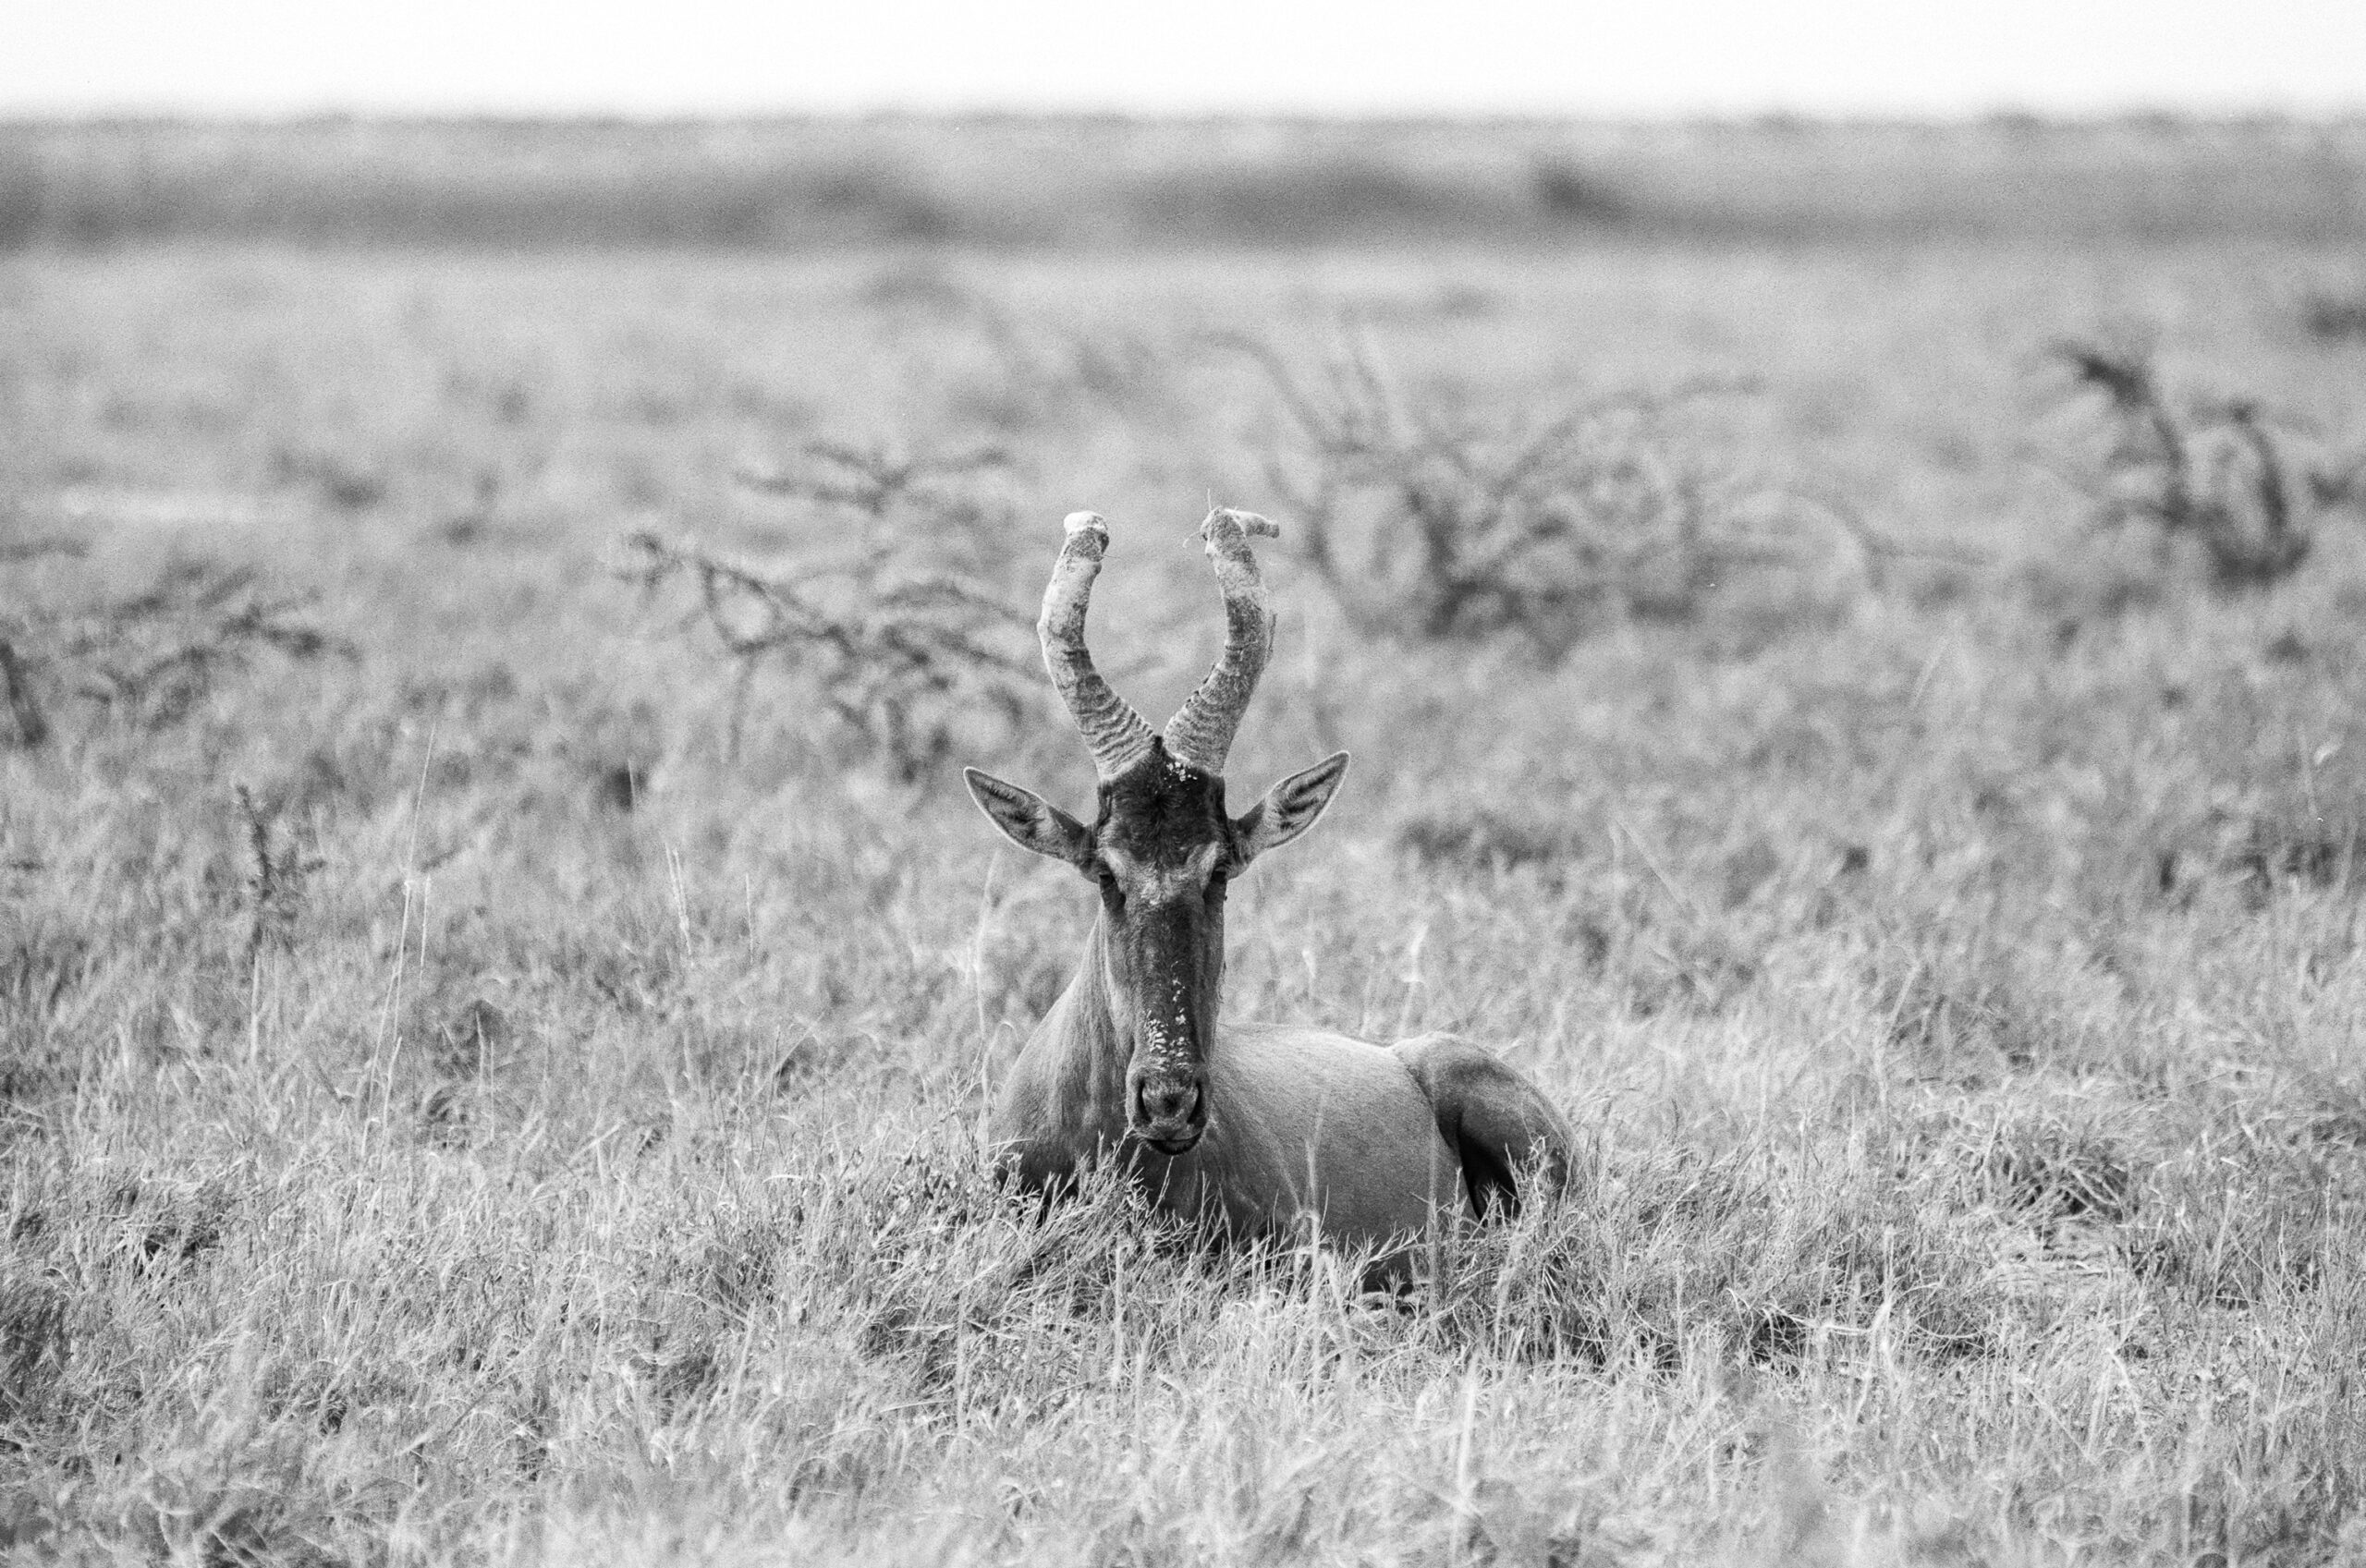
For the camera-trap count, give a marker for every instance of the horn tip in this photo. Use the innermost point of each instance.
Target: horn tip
(1084, 522)
(1255, 525)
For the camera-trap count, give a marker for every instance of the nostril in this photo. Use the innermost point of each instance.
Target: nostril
(1165, 1104)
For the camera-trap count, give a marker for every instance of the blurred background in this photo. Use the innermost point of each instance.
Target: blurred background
(1056, 124)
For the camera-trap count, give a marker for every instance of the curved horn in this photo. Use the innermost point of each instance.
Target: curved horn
(1117, 736)
(1200, 732)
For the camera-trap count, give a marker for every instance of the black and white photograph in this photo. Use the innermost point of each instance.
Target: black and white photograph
(1487, 786)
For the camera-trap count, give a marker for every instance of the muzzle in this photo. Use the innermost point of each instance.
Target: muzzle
(1168, 1107)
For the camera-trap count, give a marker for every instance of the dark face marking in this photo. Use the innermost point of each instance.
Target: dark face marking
(1163, 851)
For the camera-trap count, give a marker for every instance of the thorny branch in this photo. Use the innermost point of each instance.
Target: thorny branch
(155, 655)
(900, 648)
(2212, 471)
(896, 660)
(869, 479)
(1440, 529)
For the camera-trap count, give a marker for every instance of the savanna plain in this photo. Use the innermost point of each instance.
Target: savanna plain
(500, 980)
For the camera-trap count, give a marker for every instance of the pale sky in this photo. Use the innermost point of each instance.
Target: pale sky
(1645, 58)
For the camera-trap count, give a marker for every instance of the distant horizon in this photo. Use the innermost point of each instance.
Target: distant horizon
(1674, 62)
(2008, 117)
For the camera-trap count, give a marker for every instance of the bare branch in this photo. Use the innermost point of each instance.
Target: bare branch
(866, 480)
(157, 654)
(2213, 471)
(1448, 526)
(896, 660)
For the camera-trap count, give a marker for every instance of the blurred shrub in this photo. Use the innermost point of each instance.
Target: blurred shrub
(1101, 180)
(1440, 528)
(548, 187)
(1567, 192)
(20, 201)
(150, 658)
(2209, 471)
(902, 647)
(1302, 201)
(2336, 318)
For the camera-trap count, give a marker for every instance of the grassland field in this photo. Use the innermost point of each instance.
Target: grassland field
(537, 1121)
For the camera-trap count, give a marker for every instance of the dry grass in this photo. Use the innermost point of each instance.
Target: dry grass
(417, 1148)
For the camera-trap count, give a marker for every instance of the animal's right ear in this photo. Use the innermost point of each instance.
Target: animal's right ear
(1030, 822)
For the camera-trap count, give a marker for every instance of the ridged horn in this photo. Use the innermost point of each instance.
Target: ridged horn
(1200, 732)
(1117, 737)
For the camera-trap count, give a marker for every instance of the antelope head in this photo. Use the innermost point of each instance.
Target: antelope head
(1161, 847)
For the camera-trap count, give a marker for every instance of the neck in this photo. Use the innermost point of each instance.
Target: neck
(1092, 1071)
(1099, 1032)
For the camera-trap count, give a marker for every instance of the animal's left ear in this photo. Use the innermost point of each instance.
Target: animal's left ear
(1289, 808)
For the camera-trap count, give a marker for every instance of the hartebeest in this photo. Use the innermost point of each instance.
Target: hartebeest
(1254, 1127)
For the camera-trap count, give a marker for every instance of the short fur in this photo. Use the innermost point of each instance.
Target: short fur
(1301, 1126)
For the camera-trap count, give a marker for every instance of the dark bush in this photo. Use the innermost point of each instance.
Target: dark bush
(2212, 472)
